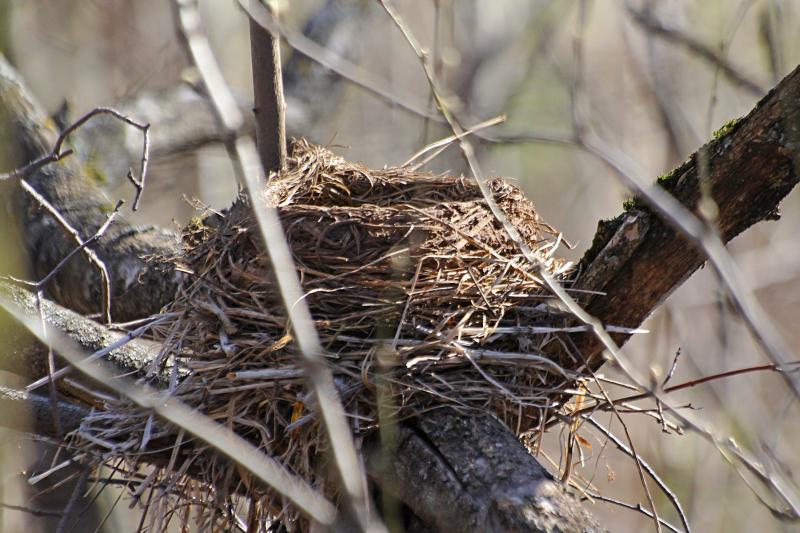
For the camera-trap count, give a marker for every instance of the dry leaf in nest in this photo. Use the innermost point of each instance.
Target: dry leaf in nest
(414, 287)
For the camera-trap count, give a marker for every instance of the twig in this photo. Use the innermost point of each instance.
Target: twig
(443, 143)
(239, 450)
(638, 507)
(672, 368)
(650, 23)
(56, 154)
(671, 496)
(82, 246)
(30, 510)
(319, 375)
(138, 332)
(699, 381)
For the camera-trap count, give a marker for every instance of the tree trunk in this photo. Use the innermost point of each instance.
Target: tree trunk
(455, 472)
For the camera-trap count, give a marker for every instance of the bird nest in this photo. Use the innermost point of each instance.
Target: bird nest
(419, 297)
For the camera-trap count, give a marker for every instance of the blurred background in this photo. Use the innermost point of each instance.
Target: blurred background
(652, 79)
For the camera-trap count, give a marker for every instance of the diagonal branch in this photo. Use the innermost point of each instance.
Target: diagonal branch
(674, 35)
(140, 264)
(637, 259)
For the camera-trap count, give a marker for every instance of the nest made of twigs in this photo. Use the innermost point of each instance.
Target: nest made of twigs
(416, 291)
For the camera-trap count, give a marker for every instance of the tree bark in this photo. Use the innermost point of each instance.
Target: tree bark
(470, 473)
(637, 259)
(140, 260)
(24, 356)
(270, 107)
(459, 472)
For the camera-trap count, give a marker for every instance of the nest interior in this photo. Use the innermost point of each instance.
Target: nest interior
(418, 296)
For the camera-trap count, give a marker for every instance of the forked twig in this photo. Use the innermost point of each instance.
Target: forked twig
(671, 496)
(58, 153)
(82, 245)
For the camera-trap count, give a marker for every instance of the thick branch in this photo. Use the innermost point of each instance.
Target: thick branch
(139, 260)
(469, 473)
(27, 412)
(637, 260)
(25, 356)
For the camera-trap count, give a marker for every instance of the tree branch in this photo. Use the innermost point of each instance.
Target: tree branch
(26, 357)
(139, 259)
(637, 259)
(469, 473)
(270, 107)
(23, 411)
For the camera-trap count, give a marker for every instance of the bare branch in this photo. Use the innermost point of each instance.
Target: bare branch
(671, 496)
(320, 377)
(323, 56)
(58, 153)
(28, 412)
(638, 507)
(270, 107)
(233, 446)
(26, 357)
(674, 35)
(140, 261)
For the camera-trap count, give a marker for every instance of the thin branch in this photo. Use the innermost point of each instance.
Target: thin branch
(125, 339)
(57, 154)
(674, 35)
(319, 375)
(29, 510)
(638, 507)
(671, 496)
(82, 246)
(794, 366)
(239, 450)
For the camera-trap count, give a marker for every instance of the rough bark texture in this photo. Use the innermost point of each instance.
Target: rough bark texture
(24, 356)
(469, 473)
(139, 259)
(637, 259)
(459, 472)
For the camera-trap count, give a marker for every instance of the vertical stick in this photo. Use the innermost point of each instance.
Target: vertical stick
(270, 107)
